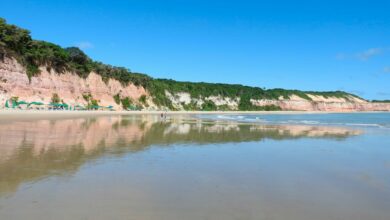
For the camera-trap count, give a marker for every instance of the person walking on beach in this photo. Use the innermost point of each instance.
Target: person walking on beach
(163, 116)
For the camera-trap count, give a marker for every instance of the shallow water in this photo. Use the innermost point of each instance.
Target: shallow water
(139, 167)
(379, 120)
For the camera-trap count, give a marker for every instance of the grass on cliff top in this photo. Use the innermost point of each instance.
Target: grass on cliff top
(380, 101)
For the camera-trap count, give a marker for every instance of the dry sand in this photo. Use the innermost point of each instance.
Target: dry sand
(44, 114)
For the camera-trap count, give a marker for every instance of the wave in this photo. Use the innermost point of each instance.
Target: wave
(275, 121)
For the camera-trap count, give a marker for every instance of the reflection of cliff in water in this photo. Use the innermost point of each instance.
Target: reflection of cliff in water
(33, 150)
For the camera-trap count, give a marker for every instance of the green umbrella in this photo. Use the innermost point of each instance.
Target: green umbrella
(35, 103)
(21, 103)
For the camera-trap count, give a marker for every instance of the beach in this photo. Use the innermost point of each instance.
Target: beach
(25, 114)
(194, 110)
(193, 165)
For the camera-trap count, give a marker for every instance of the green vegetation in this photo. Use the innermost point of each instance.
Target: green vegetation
(55, 98)
(142, 99)
(380, 101)
(15, 99)
(223, 108)
(246, 105)
(126, 103)
(92, 103)
(17, 42)
(268, 108)
(117, 99)
(87, 97)
(209, 105)
(192, 106)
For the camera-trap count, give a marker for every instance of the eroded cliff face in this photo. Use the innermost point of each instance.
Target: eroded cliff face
(294, 103)
(69, 86)
(320, 103)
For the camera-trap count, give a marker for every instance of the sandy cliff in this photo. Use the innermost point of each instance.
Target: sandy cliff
(320, 103)
(70, 87)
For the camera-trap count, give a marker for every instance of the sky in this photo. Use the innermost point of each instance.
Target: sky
(306, 45)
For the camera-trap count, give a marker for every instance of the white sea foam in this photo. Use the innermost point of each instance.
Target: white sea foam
(282, 120)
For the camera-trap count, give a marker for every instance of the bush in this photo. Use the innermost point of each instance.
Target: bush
(126, 103)
(117, 99)
(142, 99)
(209, 105)
(94, 102)
(87, 97)
(15, 99)
(55, 98)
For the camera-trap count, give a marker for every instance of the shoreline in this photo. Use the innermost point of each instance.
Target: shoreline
(45, 114)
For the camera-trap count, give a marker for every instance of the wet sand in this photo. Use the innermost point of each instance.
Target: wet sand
(141, 167)
(45, 114)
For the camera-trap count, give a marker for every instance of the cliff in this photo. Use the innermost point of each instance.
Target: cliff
(43, 72)
(71, 88)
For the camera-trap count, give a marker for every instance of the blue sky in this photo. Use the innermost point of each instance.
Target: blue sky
(307, 45)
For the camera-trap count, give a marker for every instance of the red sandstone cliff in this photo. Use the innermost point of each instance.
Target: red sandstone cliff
(70, 87)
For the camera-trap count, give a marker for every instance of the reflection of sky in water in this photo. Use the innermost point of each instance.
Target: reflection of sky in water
(375, 120)
(142, 168)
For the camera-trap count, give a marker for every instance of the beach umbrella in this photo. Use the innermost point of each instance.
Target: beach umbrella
(78, 107)
(21, 103)
(59, 104)
(35, 103)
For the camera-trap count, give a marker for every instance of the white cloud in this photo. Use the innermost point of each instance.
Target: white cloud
(365, 55)
(85, 45)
